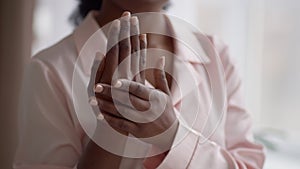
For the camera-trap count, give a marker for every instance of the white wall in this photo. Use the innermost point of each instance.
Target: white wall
(51, 22)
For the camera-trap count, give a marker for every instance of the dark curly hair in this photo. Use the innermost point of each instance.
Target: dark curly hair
(85, 6)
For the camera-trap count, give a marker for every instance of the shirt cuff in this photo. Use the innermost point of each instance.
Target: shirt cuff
(182, 149)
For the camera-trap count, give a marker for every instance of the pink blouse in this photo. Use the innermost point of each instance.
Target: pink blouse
(51, 136)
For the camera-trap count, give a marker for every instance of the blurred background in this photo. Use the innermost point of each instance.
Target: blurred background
(263, 36)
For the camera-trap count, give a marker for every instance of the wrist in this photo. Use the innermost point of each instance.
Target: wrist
(164, 140)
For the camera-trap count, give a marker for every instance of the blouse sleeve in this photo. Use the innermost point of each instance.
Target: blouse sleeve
(47, 136)
(240, 151)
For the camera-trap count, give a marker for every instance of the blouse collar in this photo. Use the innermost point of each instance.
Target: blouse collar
(188, 45)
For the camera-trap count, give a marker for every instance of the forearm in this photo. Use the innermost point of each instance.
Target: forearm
(95, 157)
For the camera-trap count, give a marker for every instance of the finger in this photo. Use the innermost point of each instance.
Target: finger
(96, 72)
(112, 58)
(135, 88)
(116, 110)
(160, 77)
(94, 104)
(119, 123)
(135, 45)
(108, 107)
(124, 46)
(98, 66)
(142, 64)
(123, 97)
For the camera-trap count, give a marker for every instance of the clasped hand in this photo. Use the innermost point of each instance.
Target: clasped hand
(119, 90)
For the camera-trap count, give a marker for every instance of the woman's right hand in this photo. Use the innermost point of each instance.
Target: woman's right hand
(120, 46)
(125, 58)
(123, 51)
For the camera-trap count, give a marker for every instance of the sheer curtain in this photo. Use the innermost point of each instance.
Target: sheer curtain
(263, 37)
(240, 25)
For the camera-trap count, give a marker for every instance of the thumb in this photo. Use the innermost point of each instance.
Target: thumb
(96, 72)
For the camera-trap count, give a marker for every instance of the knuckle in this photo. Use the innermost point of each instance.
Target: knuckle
(108, 119)
(155, 94)
(122, 125)
(137, 89)
(135, 50)
(103, 106)
(107, 106)
(162, 75)
(143, 60)
(124, 46)
(113, 51)
(143, 53)
(147, 105)
(132, 101)
(125, 27)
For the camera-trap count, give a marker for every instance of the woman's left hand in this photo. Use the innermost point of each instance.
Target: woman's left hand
(152, 108)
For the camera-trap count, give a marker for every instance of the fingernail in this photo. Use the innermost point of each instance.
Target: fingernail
(100, 116)
(118, 84)
(126, 13)
(99, 56)
(116, 23)
(134, 20)
(126, 16)
(98, 88)
(93, 101)
(162, 61)
(143, 37)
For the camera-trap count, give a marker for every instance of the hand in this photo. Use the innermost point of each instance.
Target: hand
(104, 67)
(126, 54)
(120, 46)
(159, 115)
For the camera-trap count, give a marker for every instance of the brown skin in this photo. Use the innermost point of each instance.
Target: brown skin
(95, 157)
